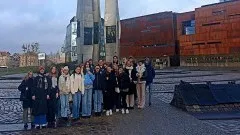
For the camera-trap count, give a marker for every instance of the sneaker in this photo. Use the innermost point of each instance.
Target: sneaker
(110, 112)
(25, 126)
(32, 125)
(117, 110)
(38, 127)
(107, 113)
(127, 111)
(123, 111)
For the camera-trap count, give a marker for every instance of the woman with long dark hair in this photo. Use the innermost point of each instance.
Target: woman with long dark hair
(54, 95)
(87, 97)
(26, 90)
(110, 84)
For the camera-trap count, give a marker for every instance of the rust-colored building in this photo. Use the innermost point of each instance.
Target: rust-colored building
(151, 36)
(210, 35)
(28, 59)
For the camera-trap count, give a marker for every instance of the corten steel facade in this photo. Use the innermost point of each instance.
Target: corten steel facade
(151, 36)
(215, 40)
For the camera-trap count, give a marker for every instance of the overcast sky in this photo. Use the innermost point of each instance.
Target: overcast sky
(45, 21)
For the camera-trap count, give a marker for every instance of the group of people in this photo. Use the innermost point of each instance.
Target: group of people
(104, 87)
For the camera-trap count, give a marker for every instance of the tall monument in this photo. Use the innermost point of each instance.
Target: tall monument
(112, 29)
(85, 30)
(96, 35)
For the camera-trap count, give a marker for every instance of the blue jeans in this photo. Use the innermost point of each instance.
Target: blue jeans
(76, 104)
(150, 93)
(98, 97)
(87, 103)
(64, 105)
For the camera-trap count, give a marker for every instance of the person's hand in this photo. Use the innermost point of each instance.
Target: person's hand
(107, 78)
(48, 97)
(33, 97)
(57, 95)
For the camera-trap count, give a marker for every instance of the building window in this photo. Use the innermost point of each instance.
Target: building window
(188, 27)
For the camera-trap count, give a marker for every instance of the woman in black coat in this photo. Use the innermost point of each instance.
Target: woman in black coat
(110, 84)
(130, 70)
(123, 84)
(26, 89)
(53, 95)
(40, 95)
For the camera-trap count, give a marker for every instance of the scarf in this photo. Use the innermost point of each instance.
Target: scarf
(141, 69)
(54, 82)
(130, 71)
(41, 80)
(67, 80)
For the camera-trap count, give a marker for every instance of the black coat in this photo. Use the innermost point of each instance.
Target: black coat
(123, 81)
(53, 91)
(99, 83)
(41, 88)
(26, 92)
(110, 83)
(132, 85)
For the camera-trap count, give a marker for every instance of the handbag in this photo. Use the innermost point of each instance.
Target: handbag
(117, 90)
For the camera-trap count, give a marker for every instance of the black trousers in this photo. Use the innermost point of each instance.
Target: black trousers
(117, 100)
(123, 99)
(109, 100)
(52, 106)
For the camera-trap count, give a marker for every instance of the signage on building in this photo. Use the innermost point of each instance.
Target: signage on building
(41, 56)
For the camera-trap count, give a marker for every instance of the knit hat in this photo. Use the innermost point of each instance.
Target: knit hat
(66, 68)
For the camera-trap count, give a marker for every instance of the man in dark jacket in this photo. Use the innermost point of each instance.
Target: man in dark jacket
(98, 87)
(150, 76)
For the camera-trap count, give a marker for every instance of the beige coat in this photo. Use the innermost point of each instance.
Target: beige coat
(77, 83)
(64, 85)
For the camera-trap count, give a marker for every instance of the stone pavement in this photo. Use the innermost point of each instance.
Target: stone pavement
(160, 118)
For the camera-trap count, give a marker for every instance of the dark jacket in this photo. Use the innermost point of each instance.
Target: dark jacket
(99, 83)
(26, 92)
(53, 91)
(123, 81)
(132, 85)
(150, 73)
(41, 88)
(110, 83)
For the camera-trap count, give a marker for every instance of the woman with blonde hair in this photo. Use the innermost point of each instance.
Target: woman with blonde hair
(26, 90)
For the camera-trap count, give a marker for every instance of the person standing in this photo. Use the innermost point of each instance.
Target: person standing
(123, 84)
(117, 96)
(26, 90)
(53, 94)
(110, 84)
(77, 90)
(87, 97)
(141, 82)
(64, 90)
(150, 76)
(98, 87)
(40, 95)
(131, 72)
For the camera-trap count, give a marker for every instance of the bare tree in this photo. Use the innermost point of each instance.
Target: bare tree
(24, 48)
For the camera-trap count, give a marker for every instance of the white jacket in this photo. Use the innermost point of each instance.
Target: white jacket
(77, 83)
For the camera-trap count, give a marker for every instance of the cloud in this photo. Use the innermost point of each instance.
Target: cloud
(45, 21)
